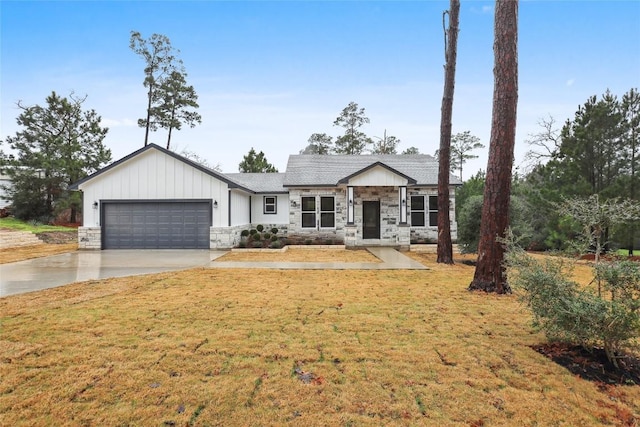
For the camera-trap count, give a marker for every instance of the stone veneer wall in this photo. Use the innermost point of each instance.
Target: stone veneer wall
(429, 234)
(229, 237)
(336, 235)
(391, 232)
(90, 238)
(388, 197)
(219, 237)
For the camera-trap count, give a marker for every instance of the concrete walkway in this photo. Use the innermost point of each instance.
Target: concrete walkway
(391, 260)
(58, 270)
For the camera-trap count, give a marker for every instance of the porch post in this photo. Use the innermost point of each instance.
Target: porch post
(350, 206)
(403, 204)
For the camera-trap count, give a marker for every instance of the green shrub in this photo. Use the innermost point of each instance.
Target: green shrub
(260, 228)
(274, 238)
(566, 312)
(469, 225)
(256, 244)
(266, 236)
(274, 230)
(244, 233)
(253, 231)
(275, 244)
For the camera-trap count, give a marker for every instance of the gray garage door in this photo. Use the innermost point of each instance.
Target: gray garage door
(156, 225)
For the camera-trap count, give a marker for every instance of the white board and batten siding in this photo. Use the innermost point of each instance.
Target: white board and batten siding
(240, 208)
(153, 175)
(281, 216)
(5, 184)
(378, 177)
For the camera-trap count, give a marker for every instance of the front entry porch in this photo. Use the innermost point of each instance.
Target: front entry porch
(376, 217)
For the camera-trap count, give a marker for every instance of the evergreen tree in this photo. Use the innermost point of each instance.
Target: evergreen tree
(161, 61)
(59, 144)
(319, 143)
(490, 274)
(255, 163)
(176, 105)
(385, 145)
(352, 118)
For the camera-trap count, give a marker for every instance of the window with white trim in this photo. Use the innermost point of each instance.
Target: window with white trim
(308, 212)
(433, 211)
(424, 214)
(417, 211)
(327, 212)
(270, 204)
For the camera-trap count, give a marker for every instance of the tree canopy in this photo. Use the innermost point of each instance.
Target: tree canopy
(59, 143)
(354, 141)
(170, 100)
(256, 163)
(593, 154)
(176, 105)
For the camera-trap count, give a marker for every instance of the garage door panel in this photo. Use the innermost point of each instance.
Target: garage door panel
(156, 225)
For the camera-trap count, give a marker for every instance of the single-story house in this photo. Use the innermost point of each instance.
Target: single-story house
(5, 188)
(157, 199)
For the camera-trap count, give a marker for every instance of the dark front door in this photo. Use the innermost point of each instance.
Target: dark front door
(371, 220)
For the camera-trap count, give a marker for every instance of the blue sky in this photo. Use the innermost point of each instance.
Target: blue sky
(271, 73)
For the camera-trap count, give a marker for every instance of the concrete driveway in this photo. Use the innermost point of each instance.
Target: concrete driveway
(58, 270)
(42, 273)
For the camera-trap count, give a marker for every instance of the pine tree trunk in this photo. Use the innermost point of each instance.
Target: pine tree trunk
(490, 275)
(445, 247)
(173, 114)
(146, 131)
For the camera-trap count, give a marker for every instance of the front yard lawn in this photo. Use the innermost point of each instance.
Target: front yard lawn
(271, 347)
(17, 225)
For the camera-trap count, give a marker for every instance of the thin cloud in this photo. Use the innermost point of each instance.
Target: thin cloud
(570, 82)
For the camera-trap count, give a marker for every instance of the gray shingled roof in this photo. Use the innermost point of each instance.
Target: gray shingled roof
(328, 170)
(260, 182)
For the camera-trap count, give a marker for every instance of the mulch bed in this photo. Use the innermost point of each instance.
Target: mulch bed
(592, 365)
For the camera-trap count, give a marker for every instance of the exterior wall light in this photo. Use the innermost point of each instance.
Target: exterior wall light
(215, 204)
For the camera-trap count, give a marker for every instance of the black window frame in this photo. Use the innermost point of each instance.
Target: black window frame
(266, 204)
(327, 213)
(433, 211)
(417, 211)
(308, 212)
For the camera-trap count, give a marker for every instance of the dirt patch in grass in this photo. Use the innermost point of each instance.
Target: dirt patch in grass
(22, 253)
(301, 255)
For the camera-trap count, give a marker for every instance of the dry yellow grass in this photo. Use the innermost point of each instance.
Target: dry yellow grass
(301, 255)
(228, 347)
(22, 253)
